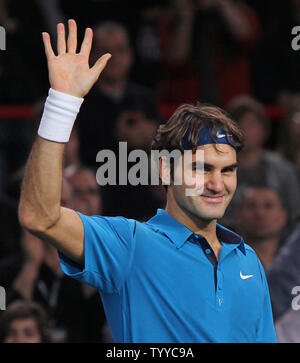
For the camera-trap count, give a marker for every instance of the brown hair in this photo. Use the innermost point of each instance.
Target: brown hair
(21, 309)
(242, 105)
(192, 118)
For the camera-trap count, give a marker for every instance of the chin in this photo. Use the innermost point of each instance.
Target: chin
(204, 215)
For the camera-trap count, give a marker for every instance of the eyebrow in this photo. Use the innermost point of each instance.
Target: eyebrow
(207, 165)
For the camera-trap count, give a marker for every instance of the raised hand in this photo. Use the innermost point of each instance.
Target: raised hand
(69, 72)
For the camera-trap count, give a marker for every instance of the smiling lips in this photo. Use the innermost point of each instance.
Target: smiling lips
(213, 198)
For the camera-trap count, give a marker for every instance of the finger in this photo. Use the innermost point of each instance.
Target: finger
(72, 37)
(100, 65)
(61, 39)
(48, 48)
(86, 45)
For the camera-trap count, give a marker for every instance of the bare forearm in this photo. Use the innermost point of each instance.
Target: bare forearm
(235, 19)
(180, 45)
(41, 191)
(25, 281)
(70, 78)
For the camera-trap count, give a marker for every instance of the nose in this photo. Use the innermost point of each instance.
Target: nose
(260, 212)
(215, 183)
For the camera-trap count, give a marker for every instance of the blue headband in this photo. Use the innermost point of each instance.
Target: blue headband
(205, 138)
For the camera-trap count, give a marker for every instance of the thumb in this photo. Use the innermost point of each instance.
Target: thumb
(100, 65)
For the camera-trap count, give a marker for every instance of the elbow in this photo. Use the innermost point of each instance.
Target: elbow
(36, 224)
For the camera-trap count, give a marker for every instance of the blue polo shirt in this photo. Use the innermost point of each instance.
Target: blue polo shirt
(160, 282)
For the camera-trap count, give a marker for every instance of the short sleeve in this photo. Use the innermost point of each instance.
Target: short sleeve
(108, 252)
(266, 330)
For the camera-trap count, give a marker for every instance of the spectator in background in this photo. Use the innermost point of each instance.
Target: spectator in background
(115, 103)
(205, 48)
(289, 139)
(34, 274)
(144, 31)
(117, 110)
(86, 194)
(288, 327)
(258, 166)
(261, 218)
(284, 275)
(276, 64)
(24, 322)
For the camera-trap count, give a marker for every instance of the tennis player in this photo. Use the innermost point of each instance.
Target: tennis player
(179, 277)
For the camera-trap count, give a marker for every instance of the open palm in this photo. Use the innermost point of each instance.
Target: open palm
(69, 72)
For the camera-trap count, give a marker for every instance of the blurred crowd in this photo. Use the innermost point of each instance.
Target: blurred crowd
(230, 53)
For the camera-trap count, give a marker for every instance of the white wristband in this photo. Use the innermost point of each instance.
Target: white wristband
(59, 115)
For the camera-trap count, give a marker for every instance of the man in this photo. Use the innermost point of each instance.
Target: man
(284, 280)
(261, 218)
(257, 164)
(33, 273)
(179, 277)
(116, 110)
(128, 110)
(24, 322)
(86, 193)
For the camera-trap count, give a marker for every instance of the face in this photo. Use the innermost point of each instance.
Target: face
(261, 214)
(117, 44)
(23, 330)
(254, 132)
(66, 194)
(86, 196)
(219, 184)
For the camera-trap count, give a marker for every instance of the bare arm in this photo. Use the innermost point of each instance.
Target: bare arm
(33, 251)
(235, 19)
(40, 211)
(180, 44)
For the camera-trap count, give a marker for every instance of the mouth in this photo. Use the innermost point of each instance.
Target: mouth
(214, 199)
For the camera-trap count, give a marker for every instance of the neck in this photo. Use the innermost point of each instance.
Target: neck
(265, 249)
(114, 88)
(206, 228)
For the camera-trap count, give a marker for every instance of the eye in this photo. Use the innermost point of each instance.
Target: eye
(207, 168)
(198, 166)
(230, 169)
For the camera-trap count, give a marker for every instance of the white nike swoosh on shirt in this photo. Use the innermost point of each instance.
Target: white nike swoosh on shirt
(220, 136)
(244, 277)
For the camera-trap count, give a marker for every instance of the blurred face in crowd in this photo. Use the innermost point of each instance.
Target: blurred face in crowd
(66, 194)
(23, 330)
(116, 43)
(255, 133)
(86, 196)
(220, 181)
(261, 214)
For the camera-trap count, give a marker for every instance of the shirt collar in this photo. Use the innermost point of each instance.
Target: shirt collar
(179, 234)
